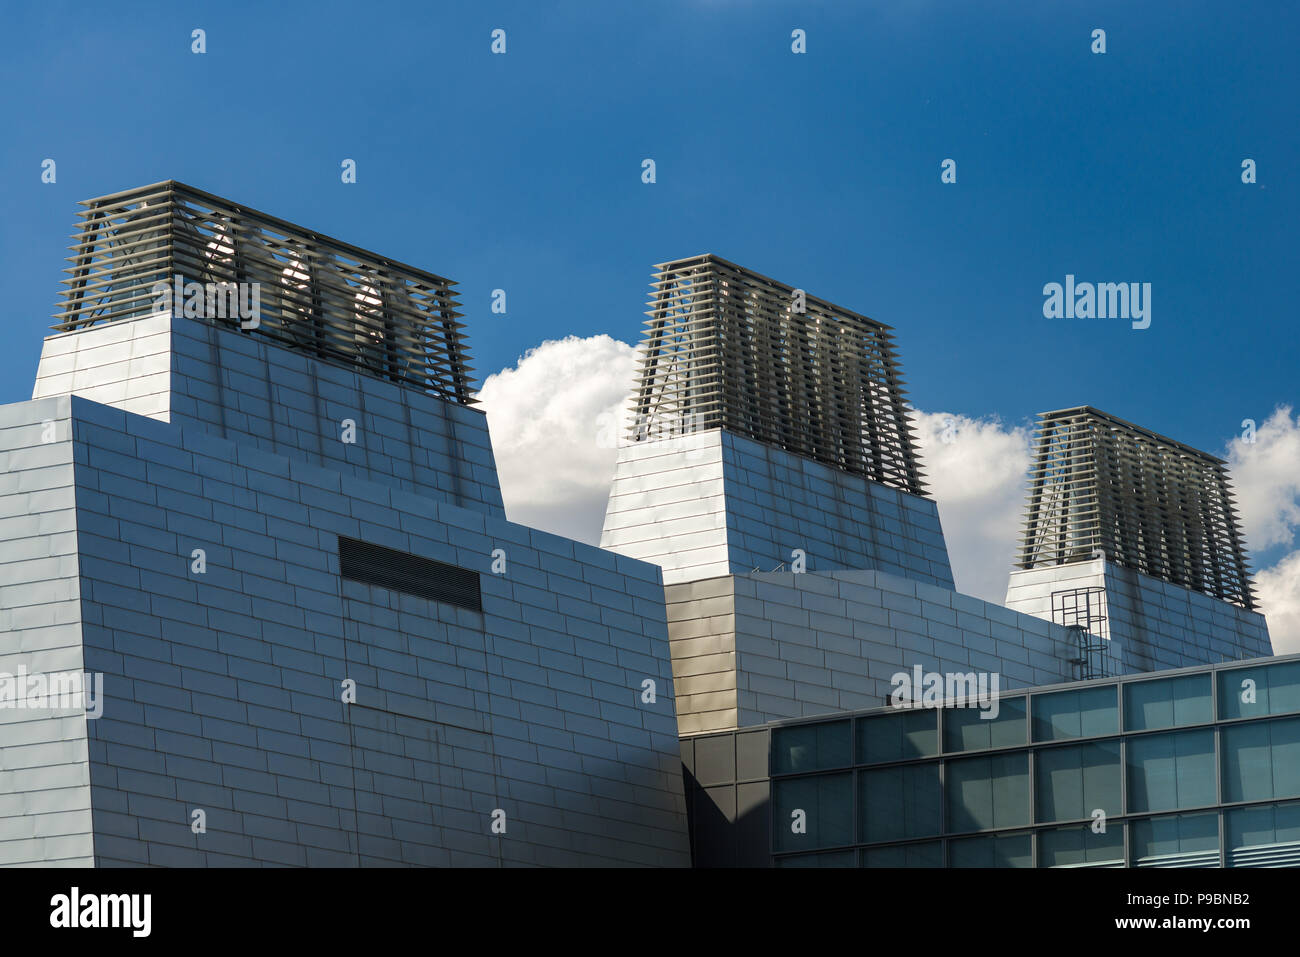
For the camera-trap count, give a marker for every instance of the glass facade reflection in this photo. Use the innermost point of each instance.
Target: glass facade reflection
(1194, 768)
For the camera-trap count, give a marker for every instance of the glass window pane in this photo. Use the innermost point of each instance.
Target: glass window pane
(1261, 760)
(1073, 782)
(829, 859)
(899, 802)
(897, 737)
(1267, 836)
(1000, 850)
(1080, 846)
(1075, 714)
(1265, 689)
(928, 854)
(810, 747)
(1167, 703)
(1181, 840)
(1167, 771)
(966, 729)
(987, 792)
(827, 819)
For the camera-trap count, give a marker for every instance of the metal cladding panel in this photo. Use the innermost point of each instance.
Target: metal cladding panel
(1100, 484)
(726, 347)
(228, 694)
(319, 295)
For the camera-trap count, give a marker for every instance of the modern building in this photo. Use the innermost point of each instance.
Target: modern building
(1197, 767)
(282, 545)
(771, 471)
(252, 495)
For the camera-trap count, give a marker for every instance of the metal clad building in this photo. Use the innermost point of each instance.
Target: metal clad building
(283, 548)
(252, 495)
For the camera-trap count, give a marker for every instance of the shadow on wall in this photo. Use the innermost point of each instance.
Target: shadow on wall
(728, 799)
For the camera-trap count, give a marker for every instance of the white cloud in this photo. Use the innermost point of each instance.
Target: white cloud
(546, 412)
(1278, 589)
(546, 415)
(976, 472)
(1266, 476)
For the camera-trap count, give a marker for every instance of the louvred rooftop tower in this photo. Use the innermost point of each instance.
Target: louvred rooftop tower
(1143, 527)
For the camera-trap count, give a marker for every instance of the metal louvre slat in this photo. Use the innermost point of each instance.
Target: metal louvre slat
(320, 295)
(1154, 505)
(1285, 854)
(722, 348)
(1183, 859)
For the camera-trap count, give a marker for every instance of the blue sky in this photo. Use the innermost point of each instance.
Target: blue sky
(522, 171)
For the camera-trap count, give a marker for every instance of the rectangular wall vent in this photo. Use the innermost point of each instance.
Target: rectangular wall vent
(404, 572)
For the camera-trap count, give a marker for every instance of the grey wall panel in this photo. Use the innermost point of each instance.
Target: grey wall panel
(712, 503)
(252, 391)
(227, 684)
(793, 645)
(223, 689)
(1160, 625)
(45, 798)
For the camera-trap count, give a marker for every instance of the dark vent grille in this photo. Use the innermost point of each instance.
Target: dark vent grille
(1101, 487)
(725, 348)
(402, 571)
(317, 295)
